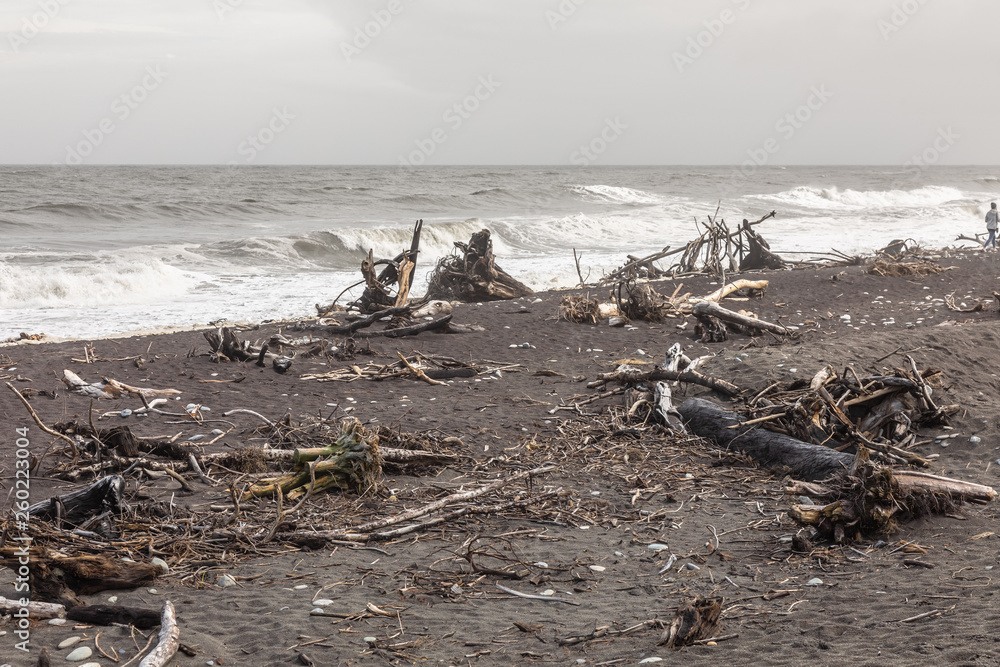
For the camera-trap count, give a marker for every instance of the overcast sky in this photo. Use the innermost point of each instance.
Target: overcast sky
(534, 81)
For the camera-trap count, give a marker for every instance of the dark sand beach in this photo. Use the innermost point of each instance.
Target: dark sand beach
(622, 492)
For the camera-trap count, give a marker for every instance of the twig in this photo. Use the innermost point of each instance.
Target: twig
(249, 412)
(34, 415)
(543, 598)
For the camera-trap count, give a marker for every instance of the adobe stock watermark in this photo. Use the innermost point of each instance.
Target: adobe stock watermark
(22, 521)
(899, 17)
(455, 116)
(699, 43)
(787, 126)
(265, 136)
(588, 153)
(943, 141)
(365, 34)
(122, 107)
(562, 13)
(34, 24)
(223, 7)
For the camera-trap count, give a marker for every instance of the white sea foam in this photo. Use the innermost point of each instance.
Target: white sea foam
(834, 198)
(105, 280)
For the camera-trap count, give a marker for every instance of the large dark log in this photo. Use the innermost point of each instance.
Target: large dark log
(759, 255)
(56, 577)
(804, 460)
(104, 495)
(97, 614)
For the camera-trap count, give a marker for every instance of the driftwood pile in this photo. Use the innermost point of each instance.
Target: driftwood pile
(471, 274)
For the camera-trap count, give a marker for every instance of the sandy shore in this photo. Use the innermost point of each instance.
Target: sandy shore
(625, 492)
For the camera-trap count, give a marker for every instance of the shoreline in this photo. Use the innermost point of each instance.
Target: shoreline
(624, 491)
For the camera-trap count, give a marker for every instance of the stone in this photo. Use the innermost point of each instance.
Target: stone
(66, 643)
(79, 654)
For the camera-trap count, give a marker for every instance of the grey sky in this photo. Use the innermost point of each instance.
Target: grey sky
(535, 81)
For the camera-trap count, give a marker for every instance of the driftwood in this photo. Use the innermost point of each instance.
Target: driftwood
(803, 459)
(398, 271)
(56, 577)
(168, 644)
(689, 376)
(710, 309)
(758, 253)
(104, 495)
(36, 609)
(472, 274)
(695, 620)
(98, 614)
(227, 346)
(111, 389)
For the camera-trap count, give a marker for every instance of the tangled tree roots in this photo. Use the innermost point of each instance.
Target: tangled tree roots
(922, 267)
(472, 274)
(580, 309)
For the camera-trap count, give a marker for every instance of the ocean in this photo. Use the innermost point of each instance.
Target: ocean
(97, 251)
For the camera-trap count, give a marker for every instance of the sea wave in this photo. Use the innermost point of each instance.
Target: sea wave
(616, 195)
(100, 281)
(834, 198)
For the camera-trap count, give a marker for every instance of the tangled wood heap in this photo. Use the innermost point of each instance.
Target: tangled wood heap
(717, 250)
(471, 274)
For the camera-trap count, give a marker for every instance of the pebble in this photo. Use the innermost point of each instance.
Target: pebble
(126, 412)
(657, 547)
(217, 431)
(57, 621)
(648, 660)
(196, 437)
(322, 603)
(806, 500)
(300, 587)
(371, 640)
(975, 440)
(541, 564)
(162, 564)
(548, 592)
(152, 591)
(111, 600)
(91, 664)
(815, 582)
(597, 568)
(66, 643)
(225, 581)
(79, 654)
(692, 566)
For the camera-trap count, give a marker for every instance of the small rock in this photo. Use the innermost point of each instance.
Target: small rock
(323, 603)
(541, 564)
(162, 564)
(975, 440)
(79, 654)
(548, 592)
(66, 643)
(371, 640)
(152, 591)
(815, 582)
(300, 587)
(217, 431)
(806, 500)
(111, 600)
(225, 581)
(196, 437)
(125, 413)
(692, 566)
(648, 660)
(657, 547)
(597, 568)
(57, 621)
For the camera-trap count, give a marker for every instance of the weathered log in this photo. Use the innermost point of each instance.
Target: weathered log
(663, 399)
(37, 610)
(368, 320)
(56, 577)
(413, 330)
(914, 482)
(168, 644)
(98, 614)
(712, 309)
(692, 377)
(75, 507)
(735, 286)
(111, 389)
(804, 460)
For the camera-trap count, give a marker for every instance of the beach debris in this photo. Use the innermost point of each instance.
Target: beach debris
(430, 366)
(471, 274)
(351, 462)
(58, 577)
(711, 316)
(75, 507)
(580, 309)
(897, 267)
(398, 271)
(168, 639)
(111, 389)
(39, 610)
(694, 620)
(113, 615)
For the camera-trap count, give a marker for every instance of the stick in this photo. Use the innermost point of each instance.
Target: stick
(419, 373)
(528, 596)
(197, 468)
(184, 483)
(34, 415)
(169, 633)
(250, 412)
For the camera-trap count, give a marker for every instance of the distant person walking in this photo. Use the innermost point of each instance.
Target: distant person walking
(991, 227)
